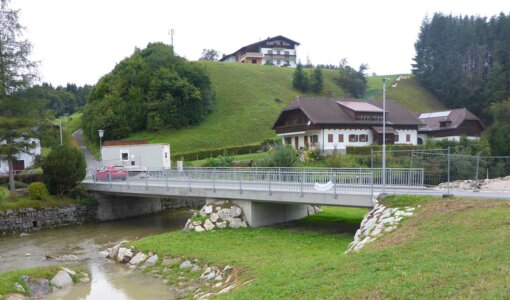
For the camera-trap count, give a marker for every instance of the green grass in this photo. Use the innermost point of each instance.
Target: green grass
(26, 202)
(237, 158)
(245, 109)
(408, 92)
(406, 200)
(450, 249)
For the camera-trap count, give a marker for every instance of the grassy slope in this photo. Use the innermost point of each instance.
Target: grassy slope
(245, 109)
(450, 249)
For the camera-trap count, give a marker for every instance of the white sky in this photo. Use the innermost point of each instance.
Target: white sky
(81, 40)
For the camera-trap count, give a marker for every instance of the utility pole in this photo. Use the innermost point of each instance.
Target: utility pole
(171, 32)
(384, 139)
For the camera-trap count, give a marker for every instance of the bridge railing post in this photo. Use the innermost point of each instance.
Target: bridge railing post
(214, 180)
(147, 181)
(240, 182)
(167, 179)
(110, 179)
(127, 179)
(269, 182)
(302, 183)
(334, 185)
(189, 181)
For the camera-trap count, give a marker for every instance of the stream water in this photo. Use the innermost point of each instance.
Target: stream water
(108, 280)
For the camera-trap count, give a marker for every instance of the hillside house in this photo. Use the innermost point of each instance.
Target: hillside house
(450, 125)
(332, 124)
(278, 50)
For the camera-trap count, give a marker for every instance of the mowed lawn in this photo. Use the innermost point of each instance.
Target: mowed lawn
(454, 248)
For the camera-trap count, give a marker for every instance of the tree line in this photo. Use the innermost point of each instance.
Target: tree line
(465, 62)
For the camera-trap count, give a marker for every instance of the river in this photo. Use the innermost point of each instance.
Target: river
(108, 280)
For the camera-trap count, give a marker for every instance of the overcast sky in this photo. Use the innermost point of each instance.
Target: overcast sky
(81, 40)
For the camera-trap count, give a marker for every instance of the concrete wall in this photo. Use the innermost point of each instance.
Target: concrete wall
(264, 214)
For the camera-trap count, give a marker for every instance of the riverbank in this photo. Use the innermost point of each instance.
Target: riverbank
(451, 247)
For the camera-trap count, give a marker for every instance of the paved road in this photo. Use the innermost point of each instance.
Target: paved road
(92, 163)
(434, 192)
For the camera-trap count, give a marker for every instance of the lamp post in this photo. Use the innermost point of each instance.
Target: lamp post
(60, 119)
(384, 139)
(101, 134)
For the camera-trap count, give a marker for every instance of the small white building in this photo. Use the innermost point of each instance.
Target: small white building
(136, 155)
(24, 160)
(333, 125)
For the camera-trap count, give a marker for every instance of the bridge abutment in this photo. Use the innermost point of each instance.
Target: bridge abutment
(264, 214)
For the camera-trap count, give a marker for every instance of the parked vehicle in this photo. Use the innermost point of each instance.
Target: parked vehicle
(113, 172)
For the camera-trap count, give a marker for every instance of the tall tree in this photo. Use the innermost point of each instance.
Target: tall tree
(317, 81)
(17, 71)
(351, 80)
(300, 80)
(210, 54)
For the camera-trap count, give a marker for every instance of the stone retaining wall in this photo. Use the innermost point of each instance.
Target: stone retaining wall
(29, 219)
(191, 203)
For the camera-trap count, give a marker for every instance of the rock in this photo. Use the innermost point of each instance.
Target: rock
(236, 223)
(138, 259)
(218, 278)
(209, 276)
(311, 211)
(221, 224)
(62, 280)
(151, 261)
(195, 269)
(207, 270)
(197, 223)
(28, 254)
(19, 287)
(124, 255)
(24, 234)
(225, 214)
(38, 287)
(199, 229)
(68, 257)
(236, 211)
(104, 253)
(214, 217)
(188, 223)
(208, 225)
(217, 208)
(186, 264)
(84, 280)
(227, 268)
(69, 271)
(217, 285)
(207, 209)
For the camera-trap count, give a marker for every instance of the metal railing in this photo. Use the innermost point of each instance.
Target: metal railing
(359, 181)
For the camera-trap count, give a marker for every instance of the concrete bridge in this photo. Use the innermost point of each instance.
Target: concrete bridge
(267, 195)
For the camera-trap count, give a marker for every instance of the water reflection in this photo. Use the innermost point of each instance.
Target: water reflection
(109, 281)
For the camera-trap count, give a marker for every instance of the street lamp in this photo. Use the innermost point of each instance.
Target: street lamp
(384, 138)
(60, 119)
(101, 134)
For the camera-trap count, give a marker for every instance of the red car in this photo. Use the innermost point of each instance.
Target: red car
(116, 173)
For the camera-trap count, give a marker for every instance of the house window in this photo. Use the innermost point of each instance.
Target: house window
(408, 137)
(315, 139)
(396, 137)
(306, 140)
(340, 138)
(363, 138)
(166, 154)
(278, 52)
(286, 53)
(124, 156)
(330, 138)
(288, 141)
(254, 61)
(278, 62)
(353, 138)
(270, 52)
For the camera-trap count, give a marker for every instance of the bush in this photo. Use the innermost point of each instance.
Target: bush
(19, 185)
(218, 162)
(24, 178)
(64, 168)
(283, 157)
(38, 191)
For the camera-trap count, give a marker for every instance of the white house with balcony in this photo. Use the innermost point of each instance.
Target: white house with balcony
(278, 51)
(333, 124)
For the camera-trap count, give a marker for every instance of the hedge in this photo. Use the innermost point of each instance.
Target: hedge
(25, 178)
(365, 150)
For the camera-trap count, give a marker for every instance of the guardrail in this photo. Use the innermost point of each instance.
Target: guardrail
(317, 180)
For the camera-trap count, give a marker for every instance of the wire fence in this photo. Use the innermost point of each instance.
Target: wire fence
(441, 166)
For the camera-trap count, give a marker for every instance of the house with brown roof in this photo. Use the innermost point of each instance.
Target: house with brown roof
(450, 124)
(333, 124)
(278, 50)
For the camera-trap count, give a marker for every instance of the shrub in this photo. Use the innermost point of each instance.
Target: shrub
(63, 169)
(283, 157)
(38, 191)
(218, 162)
(19, 185)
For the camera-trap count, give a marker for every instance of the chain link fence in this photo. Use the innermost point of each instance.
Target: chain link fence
(440, 165)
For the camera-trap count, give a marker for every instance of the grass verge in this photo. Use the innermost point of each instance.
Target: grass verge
(26, 202)
(453, 248)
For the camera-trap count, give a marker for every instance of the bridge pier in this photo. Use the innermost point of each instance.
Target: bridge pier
(259, 214)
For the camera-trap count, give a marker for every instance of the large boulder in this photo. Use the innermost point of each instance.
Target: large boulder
(214, 217)
(236, 223)
(138, 259)
(208, 225)
(151, 261)
(236, 211)
(62, 280)
(124, 255)
(38, 287)
(225, 214)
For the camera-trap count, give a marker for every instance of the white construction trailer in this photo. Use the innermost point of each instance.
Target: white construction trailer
(139, 156)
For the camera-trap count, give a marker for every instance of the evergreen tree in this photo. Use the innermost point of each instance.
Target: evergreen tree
(317, 81)
(64, 168)
(300, 80)
(16, 73)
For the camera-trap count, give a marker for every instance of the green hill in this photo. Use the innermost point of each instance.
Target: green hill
(246, 109)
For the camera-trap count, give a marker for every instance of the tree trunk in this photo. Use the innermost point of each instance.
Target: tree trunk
(12, 186)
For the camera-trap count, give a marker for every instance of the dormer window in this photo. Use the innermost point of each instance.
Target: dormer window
(445, 123)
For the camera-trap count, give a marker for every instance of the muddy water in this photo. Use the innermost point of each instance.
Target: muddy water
(109, 281)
